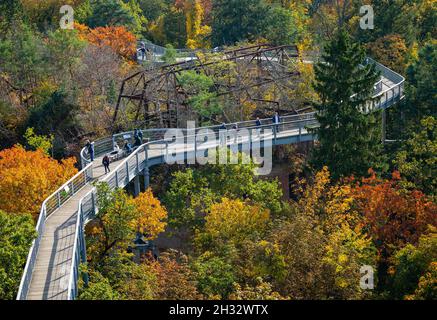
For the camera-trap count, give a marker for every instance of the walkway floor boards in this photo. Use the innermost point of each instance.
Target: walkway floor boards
(53, 263)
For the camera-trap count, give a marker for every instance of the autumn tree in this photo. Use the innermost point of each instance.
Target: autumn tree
(27, 178)
(393, 216)
(118, 38)
(175, 279)
(194, 16)
(16, 235)
(151, 215)
(233, 221)
(119, 219)
(261, 291)
(391, 51)
(322, 244)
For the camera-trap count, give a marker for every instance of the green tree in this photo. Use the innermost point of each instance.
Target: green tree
(58, 116)
(349, 139)
(10, 11)
(170, 54)
(281, 28)
(199, 87)
(422, 83)
(413, 262)
(153, 9)
(44, 143)
(187, 199)
(417, 161)
(215, 276)
(237, 20)
(174, 28)
(22, 63)
(110, 13)
(64, 49)
(98, 288)
(16, 235)
(192, 192)
(139, 24)
(113, 229)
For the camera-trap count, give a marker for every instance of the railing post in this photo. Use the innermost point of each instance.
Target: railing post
(166, 151)
(59, 199)
(94, 204)
(274, 133)
(138, 162)
(127, 172)
(116, 179)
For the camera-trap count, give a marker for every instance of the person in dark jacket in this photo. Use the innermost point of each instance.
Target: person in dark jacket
(140, 136)
(106, 163)
(128, 147)
(137, 138)
(90, 149)
(276, 120)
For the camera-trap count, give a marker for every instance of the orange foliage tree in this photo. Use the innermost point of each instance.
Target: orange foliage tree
(27, 178)
(175, 279)
(123, 42)
(393, 216)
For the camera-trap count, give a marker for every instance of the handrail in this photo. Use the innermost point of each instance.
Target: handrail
(80, 220)
(104, 145)
(43, 216)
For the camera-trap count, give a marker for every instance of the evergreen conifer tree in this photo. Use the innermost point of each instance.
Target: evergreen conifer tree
(349, 138)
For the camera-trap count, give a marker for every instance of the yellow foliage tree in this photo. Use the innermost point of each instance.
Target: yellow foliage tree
(27, 178)
(235, 220)
(151, 215)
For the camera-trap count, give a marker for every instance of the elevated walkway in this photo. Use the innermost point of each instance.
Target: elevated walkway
(52, 267)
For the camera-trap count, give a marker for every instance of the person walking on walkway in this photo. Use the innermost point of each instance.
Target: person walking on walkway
(90, 148)
(106, 163)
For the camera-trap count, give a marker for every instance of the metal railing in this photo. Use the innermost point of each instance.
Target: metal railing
(134, 164)
(50, 205)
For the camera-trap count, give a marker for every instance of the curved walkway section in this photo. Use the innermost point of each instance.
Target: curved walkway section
(52, 267)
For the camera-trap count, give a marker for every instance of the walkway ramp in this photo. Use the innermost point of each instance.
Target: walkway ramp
(51, 273)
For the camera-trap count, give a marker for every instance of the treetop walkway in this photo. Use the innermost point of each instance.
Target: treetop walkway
(52, 267)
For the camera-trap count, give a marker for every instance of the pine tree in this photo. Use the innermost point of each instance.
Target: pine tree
(349, 139)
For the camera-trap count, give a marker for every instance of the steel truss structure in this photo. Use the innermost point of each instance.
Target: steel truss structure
(245, 75)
